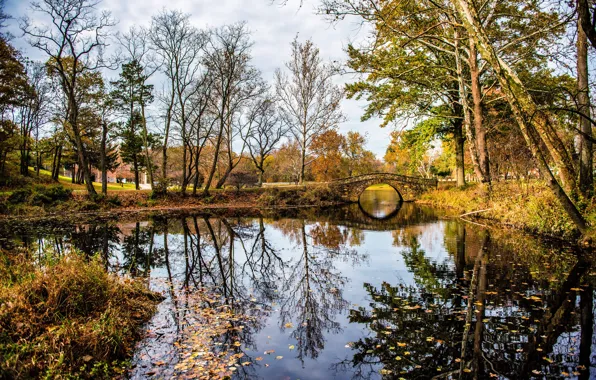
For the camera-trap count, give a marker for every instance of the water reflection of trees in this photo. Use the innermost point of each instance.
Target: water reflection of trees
(313, 289)
(242, 262)
(491, 315)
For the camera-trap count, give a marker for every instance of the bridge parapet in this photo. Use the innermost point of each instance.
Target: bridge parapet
(408, 188)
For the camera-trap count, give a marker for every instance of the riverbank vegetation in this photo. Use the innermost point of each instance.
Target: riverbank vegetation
(51, 200)
(66, 317)
(529, 206)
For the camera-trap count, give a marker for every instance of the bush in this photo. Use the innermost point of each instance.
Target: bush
(56, 193)
(311, 196)
(19, 196)
(115, 200)
(40, 195)
(160, 188)
(88, 206)
(241, 178)
(70, 319)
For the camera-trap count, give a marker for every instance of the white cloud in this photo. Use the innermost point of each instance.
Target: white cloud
(273, 28)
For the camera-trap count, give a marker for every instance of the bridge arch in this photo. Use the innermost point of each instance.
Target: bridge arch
(408, 188)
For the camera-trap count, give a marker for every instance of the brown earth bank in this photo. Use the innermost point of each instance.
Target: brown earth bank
(31, 205)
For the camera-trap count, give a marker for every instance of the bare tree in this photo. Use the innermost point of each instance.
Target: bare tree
(310, 102)
(178, 45)
(201, 122)
(74, 41)
(265, 133)
(235, 82)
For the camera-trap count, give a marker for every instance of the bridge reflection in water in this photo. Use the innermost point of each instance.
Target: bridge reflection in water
(380, 202)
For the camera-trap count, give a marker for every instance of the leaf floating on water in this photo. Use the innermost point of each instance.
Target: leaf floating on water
(259, 358)
(269, 352)
(237, 344)
(400, 344)
(291, 347)
(398, 358)
(279, 357)
(289, 325)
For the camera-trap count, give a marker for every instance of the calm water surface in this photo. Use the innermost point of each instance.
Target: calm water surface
(362, 292)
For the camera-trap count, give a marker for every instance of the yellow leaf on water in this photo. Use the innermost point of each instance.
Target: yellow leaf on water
(289, 325)
(291, 347)
(259, 358)
(279, 357)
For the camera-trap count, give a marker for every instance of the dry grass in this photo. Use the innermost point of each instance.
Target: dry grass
(528, 206)
(68, 318)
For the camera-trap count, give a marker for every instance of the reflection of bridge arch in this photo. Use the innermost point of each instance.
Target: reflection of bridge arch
(386, 217)
(407, 187)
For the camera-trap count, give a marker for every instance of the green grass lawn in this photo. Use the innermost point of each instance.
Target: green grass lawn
(67, 182)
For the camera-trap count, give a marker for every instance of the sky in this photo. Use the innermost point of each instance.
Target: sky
(273, 27)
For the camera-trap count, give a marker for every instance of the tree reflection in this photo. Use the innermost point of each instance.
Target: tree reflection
(138, 254)
(313, 291)
(494, 323)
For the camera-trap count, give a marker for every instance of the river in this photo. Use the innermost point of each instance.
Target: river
(369, 291)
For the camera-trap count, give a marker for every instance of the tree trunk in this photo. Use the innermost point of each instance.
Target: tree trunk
(586, 178)
(525, 109)
(463, 100)
(302, 163)
(148, 162)
(458, 136)
(215, 157)
(136, 170)
(261, 172)
(103, 164)
(479, 128)
(24, 157)
(56, 170)
(586, 305)
(164, 152)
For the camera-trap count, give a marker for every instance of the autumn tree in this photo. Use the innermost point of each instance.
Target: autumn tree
(309, 100)
(327, 150)
(357, 159)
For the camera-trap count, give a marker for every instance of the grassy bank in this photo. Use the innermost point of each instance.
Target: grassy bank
(526, 206)
(51, 200)
(67, 318)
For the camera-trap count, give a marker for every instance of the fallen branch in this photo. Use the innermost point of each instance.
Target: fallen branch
(475, 212)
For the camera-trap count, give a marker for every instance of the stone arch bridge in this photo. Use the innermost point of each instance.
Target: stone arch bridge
(407, 187)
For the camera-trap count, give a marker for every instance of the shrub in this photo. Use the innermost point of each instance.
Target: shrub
(70, 319)
(19, 196)
(160, 188)
(56, 193)
(114, 200)
(88, 206)
(242, 178)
